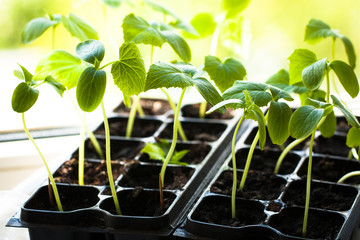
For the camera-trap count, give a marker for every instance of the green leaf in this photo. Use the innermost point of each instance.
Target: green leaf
(328, 127)
(28, 77)
(59, 88)
(313, 75)
(63, 66)
(160, 8)
(19, 74)
(234, 7)
(209, 92)
(185, 26)
(300, 59)
(280, 79)
(167, 75)
(90, 89)
(350, 52)
(91, 51)
(79, 28)
(24, 97)
(278, 122)
(224, 74)
(177, 156)
(35, 28)
(277, 94)
(304, 120)
(112, 3)
(316, 30)
(129, 72)
(353, 137)
(204, 24)
(258, 93)
(351, 119)
(179, 45)
(347, 77)
(138, 30)
(154, 151)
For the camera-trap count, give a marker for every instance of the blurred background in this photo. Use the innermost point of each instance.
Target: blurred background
(270, 31)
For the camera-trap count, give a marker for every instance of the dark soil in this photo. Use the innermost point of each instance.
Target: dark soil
(274, 206)
(321, 225)
(265, 161)
(197, 153)
(121, 150)
(269, 144)
(258, 185)
(325, 196)
(196, 131)
(147, 176)
(192, 111)
(331, 169)
(71, 197)
(142, 127)
(95, 172)
(139, 202)
(150, 106)
(342, 124)
(217, 210)
(336, 145)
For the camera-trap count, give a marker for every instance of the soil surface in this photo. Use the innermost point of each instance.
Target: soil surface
(324, 196)
(147, 176)
(139, 202)
(217, 210)
(192, 111)
(150, 107)
(335, 145)
(331, 169)
(95, 172)
(265, 161)
(321, 225)
(196, 131)
(258, 185)
(196, 154)
(141, 128)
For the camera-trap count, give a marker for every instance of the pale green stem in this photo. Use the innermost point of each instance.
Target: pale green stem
(53, 184)
(350, 154)
(132, 115)
(308, 185)
(108, 160)
(215, 38)
(82, 151)
(174, 139)
(233, 192)
(104, 66)
(327, 86)
(348, 175)
(202, 109)
(139, 108)
(248, 160)
(333, 58)
(53, 38)
(173, 107)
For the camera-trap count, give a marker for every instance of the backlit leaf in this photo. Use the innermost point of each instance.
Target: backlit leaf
(209, 92)
(300, 59)
(91, 51)
(278, 122)
(79, 28)
(234, 7)
(347, 77)
(313, 74)
(351, 119)
(35, 28)
(28, 77)
(179, 45)
(160, 8)
(316, 30)
(350, 52)
(204, 24)
(353, 137)
(304, 120)
(24, 97)
(328, 127)
(59, 88)
(112, 3)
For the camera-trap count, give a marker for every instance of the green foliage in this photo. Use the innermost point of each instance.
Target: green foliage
(300, 59)
(59, 88)
(224, 74)
(278, 120)
(351, 119)
(234, 7)
(78, 27)
(350, 52)
(313, 75)
(281, 80)
(35, 28)
(346, 76)
(328, 127)
(112, 3)
(209, 93)
(353, 137)
(24, 97)
(159, 150)
(179, 44)
(204, 24)
(63, 66)
(129, 71)
(91, 51)
(90, 89)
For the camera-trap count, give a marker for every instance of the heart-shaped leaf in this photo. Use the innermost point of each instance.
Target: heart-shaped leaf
(24, 97)
(300, 59)
(316, 30)
(209, 92)
(167, 75)
(63, 66)
(129, 72)
(91, 51)
(304, 120)
(179, 45)
(328, 127)
(313, 75)
(79, 28)
(90, 89)
(351, 119)
(347, 77)
(278, 122)
(35, 28)
(234, 7)
(350, 52)
(353, 137)
(224, 74)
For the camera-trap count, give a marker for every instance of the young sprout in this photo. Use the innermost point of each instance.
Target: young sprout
(250, 96)
(129, 75)
(24, 97)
